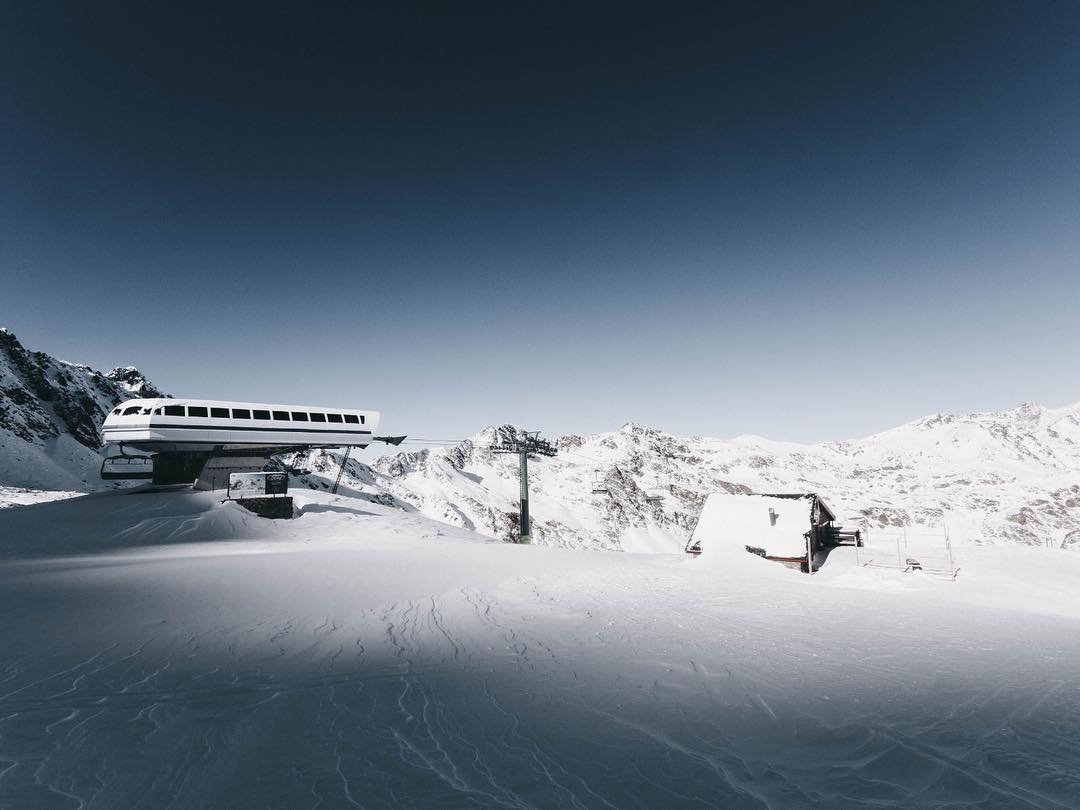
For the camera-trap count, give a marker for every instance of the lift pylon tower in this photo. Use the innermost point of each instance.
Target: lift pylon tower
(341, 471)
(528, 444)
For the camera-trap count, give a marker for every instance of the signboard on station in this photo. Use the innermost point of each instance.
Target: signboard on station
(258, 485)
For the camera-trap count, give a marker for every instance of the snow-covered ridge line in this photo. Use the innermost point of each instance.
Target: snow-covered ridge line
(993, 476)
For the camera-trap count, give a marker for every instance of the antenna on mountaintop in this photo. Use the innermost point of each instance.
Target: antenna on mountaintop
(528, 444)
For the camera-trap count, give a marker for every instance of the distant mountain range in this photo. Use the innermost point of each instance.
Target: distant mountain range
(1010, 476)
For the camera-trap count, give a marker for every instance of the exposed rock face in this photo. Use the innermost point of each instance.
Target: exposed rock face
(51, 413)
(131, 380)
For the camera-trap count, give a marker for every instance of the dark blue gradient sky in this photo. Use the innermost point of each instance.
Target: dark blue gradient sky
(807, 221)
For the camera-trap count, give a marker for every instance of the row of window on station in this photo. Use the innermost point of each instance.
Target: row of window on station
(204, 412)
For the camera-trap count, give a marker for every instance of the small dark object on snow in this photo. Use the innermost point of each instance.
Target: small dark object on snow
(913, 564)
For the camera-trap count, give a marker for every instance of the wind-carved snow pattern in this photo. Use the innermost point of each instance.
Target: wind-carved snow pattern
(163, 648)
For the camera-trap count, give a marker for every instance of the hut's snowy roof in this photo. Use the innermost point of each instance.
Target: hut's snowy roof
(731, 522)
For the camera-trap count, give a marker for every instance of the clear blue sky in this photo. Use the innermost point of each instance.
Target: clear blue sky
(806, 221)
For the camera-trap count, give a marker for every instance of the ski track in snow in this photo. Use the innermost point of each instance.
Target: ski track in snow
(445, 720)
(461, 674)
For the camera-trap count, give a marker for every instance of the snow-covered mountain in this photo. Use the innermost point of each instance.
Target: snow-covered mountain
(50, 415)
(1010, 476)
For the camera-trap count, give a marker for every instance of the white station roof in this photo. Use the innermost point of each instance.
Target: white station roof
(729, 523)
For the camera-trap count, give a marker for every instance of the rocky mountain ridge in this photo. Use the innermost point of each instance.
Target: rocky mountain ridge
(51, 413)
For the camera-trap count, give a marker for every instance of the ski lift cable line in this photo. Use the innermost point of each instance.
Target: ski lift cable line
(432, 445)
(591, 459)
(433, 441)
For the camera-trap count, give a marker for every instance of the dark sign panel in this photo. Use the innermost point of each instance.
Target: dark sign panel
(277, 483)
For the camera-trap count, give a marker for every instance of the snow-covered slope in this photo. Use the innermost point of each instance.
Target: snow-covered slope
(163, 648)
(1010, 476)
(50, 413)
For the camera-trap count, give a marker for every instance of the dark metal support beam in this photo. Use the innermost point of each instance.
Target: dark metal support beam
(528, 444)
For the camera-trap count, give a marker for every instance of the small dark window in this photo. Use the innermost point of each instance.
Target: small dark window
(352, 419)
(333, 417)
(318, 417)
(262, 414)
(116, 412)
(197, 411)
(130, 411)
(219, 413)
(146, 411)
(281, 416)
(157, 411)
(241, 413)
(299, 416)
(174, 410)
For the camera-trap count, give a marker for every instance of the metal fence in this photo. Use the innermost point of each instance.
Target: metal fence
(925, 550)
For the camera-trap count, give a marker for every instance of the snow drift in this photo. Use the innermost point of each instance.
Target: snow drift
(162, 648)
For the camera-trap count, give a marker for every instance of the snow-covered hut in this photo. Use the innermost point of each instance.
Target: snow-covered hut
(776, 527)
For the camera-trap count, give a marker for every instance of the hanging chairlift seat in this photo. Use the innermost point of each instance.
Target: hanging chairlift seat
(127, 468)
(654, 494)
(599, 486)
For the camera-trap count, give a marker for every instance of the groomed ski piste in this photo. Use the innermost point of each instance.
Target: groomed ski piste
(165, 649)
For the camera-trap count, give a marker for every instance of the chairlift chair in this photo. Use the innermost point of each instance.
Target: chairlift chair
(656, 494)
(599, 486)
(127, 468)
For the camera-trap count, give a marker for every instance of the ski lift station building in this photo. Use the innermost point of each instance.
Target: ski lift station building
(776, 526)
(180, 440)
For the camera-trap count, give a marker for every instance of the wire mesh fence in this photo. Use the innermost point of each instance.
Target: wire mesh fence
(927, 550)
